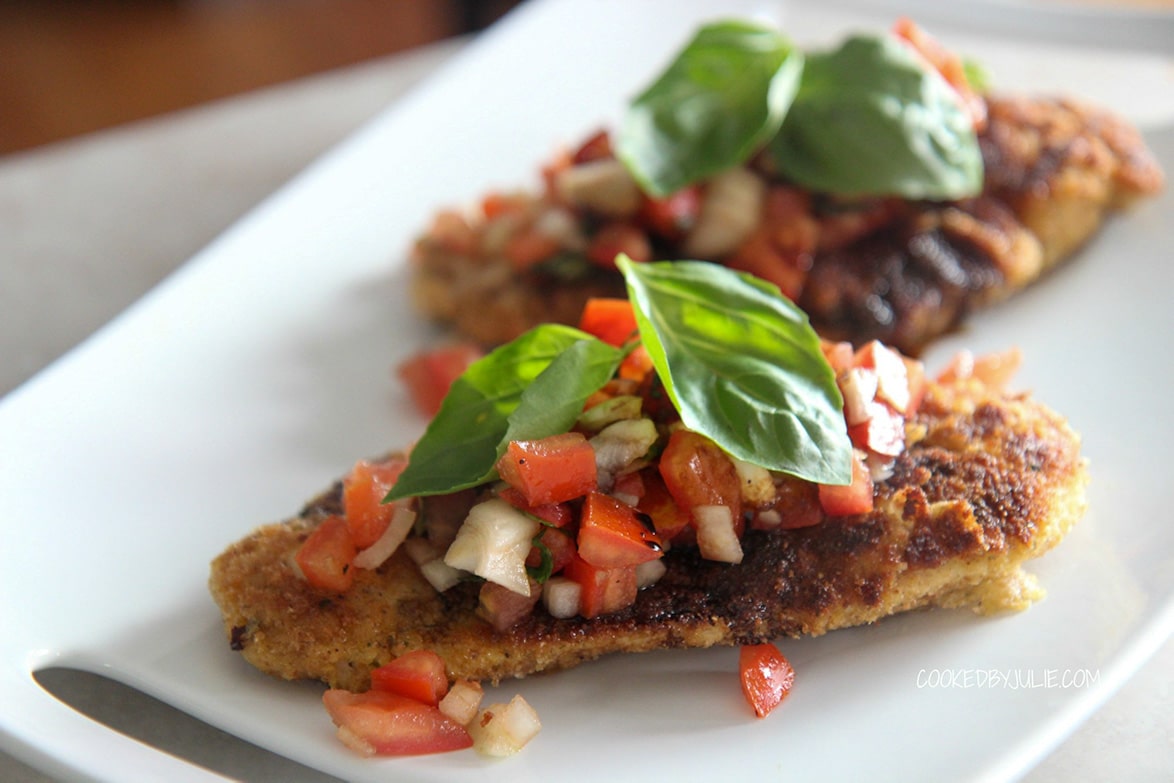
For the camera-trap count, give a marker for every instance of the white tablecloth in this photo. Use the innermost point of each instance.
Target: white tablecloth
(88, 226)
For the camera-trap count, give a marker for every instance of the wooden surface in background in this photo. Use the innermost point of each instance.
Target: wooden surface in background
(69, 67)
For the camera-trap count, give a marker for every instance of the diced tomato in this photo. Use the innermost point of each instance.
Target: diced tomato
(760, 257)
(698, 473)
(386, 723)
(429, 374)
(960, 367)
(669, 519)
(363, 491)
(611, 320)
(494, 204)
(840, 355)
(417, 674)
(529, 247)
(602, 590)
(614, 322)
(766, 676)
(326, 558)
(561, 546)
(616, 387)
(782, 249)
(997, 369)
(883, 431)
(504, 608)
(629, 485)
(557, 514)
(854, 498)
(672, 216)
(915, 372)
(618, 237)
(611, 535)
(550, 470)
(551, 170)
(443, 515)
(558, 539)
(636, 365)
(797, 502)
(596, 147)
(451, 231)
(657, 404)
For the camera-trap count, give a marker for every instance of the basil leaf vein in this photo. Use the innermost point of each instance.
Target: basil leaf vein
(743, 366)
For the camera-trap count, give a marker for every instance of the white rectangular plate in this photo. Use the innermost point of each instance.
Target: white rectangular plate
(261, 371)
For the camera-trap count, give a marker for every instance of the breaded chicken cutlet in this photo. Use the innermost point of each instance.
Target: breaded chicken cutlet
(988, 481)
(900, 271)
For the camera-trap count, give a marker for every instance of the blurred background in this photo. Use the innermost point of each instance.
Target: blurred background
(70, 67)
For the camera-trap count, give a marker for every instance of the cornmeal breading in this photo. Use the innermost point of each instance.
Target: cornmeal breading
(989, 480)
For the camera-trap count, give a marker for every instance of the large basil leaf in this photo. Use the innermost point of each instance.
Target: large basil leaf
(530, 388)
(870, 119)
(723, 97)
(743, 366)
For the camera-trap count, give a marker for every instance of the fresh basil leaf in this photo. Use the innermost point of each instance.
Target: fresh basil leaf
(555, 400)
(723, 96)
(870, 119)
(742, 366)
(529, 388)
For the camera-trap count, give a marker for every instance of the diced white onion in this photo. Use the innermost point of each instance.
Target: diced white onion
(499, 231)
(620, 444)
(493, 543)
(758, 486)
(623, 406)
(649, 573)
(384, 547)
(355, 742)
(462, 701)
(768, 519)
(559, 224)
(624, 497)
(421, 550)
(716, 538)
(880, 467)
(892, 378)
(504, 729)
(858, 387)
(729, 213)
(560, 596)
(440, 574)
(604, 186)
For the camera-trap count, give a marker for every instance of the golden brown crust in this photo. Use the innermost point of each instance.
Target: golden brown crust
(988, 482)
